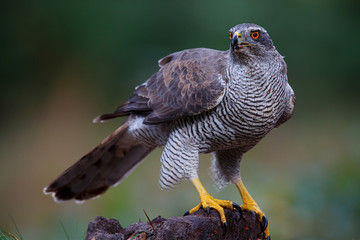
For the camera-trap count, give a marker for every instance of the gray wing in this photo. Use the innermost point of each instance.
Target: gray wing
(188, 83)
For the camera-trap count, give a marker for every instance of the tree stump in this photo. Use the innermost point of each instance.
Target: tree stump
(198, 225)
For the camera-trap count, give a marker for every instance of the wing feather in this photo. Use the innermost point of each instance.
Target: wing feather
(188, 83)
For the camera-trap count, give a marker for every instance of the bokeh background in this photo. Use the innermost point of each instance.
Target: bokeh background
(65, 62)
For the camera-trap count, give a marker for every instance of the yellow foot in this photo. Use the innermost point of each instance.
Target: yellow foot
(207, 202)
(252, 206)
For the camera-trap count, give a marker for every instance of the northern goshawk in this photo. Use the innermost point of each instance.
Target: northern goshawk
(200, 101)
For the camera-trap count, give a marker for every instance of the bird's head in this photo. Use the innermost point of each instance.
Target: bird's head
(249, 39)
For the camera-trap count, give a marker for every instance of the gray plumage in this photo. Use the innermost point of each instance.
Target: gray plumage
(200, 101)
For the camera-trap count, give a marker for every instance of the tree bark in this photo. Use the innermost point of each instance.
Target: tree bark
(198, 225)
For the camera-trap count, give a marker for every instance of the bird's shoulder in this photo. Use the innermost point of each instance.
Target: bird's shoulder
(194, 54)
(188, 82)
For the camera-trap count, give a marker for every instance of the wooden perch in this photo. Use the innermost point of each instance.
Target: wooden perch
(195, 226)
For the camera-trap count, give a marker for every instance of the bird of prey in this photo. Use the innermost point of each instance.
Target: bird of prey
(200, 101)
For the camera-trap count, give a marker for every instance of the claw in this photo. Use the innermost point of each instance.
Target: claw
(208, 211)
(250, 205)
(225, 228)
(207, 202)
(238, 208)
(265, 224)
(187, 213)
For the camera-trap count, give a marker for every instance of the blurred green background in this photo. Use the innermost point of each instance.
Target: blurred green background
(65, 62)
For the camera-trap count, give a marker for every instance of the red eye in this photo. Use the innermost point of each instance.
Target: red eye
(255, 35)
(230, 35)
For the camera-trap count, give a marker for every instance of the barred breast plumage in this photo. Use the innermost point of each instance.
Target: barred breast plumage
(200, 101)
(254, 100)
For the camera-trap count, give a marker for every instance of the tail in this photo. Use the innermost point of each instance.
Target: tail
(106, 165)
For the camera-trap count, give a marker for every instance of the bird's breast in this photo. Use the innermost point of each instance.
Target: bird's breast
(245, 115)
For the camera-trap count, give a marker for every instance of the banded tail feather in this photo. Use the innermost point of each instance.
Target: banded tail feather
(106, 165)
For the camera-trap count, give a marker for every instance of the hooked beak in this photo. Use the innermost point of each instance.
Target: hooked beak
(237, 41)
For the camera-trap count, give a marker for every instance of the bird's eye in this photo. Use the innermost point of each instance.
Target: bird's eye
(255, 35)
(230, 35)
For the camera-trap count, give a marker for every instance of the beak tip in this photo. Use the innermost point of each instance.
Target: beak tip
(234, 41)
(237, 43)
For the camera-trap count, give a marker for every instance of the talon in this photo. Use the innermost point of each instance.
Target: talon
(264, 224)
(207, 202)
(238, 208)
(187, 213)
(225, 228)
(250, 205)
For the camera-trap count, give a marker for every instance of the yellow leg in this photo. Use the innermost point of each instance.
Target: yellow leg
(207, 201)
(249, 204)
